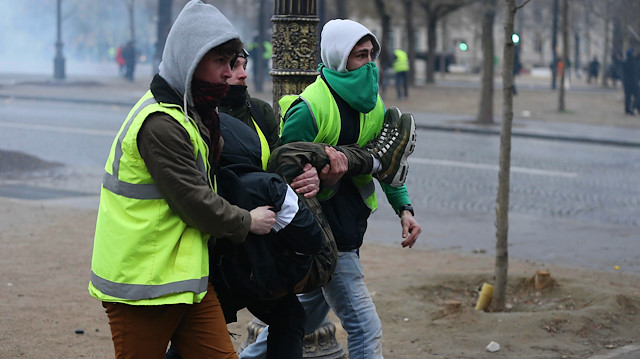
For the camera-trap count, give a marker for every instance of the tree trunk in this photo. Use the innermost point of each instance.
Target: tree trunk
(342, 9)
(132, 28)
(442, 59)
(432, 22)
(164, 25)
(502, 201)
(485, 110)
(261, 62)
(385, 55)
(587, 31)
(565, 53)
(411, 46)
(607, 53)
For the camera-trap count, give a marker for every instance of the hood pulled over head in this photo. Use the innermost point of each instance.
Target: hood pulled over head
(338, 38)
(198, 28)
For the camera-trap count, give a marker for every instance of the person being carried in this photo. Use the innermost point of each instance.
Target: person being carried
(343, 107)
(158, 205)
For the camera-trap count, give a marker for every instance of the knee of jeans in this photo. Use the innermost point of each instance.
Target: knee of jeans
(367, 325)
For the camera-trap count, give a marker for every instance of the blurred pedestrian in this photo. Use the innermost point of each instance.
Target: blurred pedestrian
(129, 55)
(517, 66)
(594, 69)
(401, 68)
(386, 70)
(120, 61)
(615, 69)
(630, 82)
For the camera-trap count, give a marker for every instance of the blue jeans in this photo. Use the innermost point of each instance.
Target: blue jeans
(402, 84)
(349, 298)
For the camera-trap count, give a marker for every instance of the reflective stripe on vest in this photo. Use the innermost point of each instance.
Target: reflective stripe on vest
(265, 152)
(142, 291)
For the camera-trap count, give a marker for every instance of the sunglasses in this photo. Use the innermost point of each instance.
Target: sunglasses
(244, 54)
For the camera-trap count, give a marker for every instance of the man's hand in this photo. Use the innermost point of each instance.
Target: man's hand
(337, 167)
(410, 229)
(308, 182)
(262, 219)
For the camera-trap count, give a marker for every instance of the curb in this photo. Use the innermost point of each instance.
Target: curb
(553, 137)
(67, 99)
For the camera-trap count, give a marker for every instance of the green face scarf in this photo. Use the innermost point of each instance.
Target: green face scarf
(359, 88)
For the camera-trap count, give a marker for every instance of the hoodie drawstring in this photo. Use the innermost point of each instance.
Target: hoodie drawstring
(186, 115)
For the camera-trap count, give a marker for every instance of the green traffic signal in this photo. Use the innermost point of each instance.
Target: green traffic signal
(515, 38)
(463, 46)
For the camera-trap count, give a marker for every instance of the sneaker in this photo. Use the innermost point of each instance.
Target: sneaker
(393, 146)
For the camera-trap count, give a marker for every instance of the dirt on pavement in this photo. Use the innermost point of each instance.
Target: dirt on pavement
(45, 252)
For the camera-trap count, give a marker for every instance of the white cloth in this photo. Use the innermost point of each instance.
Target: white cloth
(288, 210)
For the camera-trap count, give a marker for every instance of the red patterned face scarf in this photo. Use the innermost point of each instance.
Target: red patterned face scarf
(206, 98)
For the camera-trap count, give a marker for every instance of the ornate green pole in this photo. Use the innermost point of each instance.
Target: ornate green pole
(294, 67)
(295, 47)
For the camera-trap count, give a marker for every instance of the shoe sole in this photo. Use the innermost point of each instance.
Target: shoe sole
(394, 112)
(401, 175)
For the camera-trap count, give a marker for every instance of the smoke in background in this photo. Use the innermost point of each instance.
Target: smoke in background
(91, 31)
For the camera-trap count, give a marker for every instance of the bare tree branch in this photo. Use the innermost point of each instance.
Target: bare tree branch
(518, 7)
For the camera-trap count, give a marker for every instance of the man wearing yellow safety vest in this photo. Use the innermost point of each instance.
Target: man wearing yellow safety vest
(158, 205)
(342, 107)
(401, 68)
(250, 131)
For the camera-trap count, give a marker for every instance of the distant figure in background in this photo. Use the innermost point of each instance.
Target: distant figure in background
(615, 69)
(594, 69)
(386, 70)
(129, 56)
(517, 66)
(120, 61)
(401, 68)
(630, 82)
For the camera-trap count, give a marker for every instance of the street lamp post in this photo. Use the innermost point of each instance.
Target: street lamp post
(295, 47)
(58, 61)
(554, 46)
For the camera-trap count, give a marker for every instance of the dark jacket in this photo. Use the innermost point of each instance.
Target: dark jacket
(266, 266)
(630, 71)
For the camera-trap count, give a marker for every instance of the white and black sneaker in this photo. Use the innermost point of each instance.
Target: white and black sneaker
(393, 146)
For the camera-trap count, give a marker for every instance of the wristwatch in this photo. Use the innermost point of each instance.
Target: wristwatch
(406, 207)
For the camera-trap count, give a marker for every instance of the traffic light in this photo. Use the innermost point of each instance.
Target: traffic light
(463, 46)
(515, 38)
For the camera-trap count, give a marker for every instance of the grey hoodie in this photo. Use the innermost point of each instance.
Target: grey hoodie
(198, 28)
